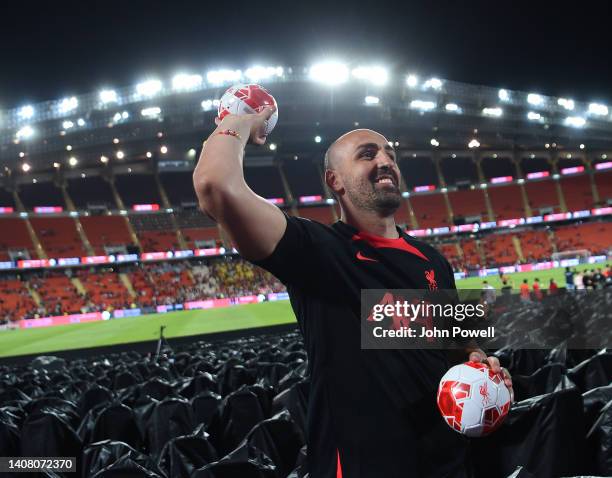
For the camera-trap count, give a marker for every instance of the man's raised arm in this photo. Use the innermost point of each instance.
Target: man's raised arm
(255, 225)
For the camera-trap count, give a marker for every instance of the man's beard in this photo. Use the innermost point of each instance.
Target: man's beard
(384, 201)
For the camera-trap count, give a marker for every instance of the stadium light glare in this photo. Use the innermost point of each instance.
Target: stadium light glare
(163, 149)
(412, 81)
(68, 147)
(81, 122)
(26, 112)
(115, 140)
(224, 76)
(191, 153)
(56, 165)
(372, 100)
(108, 96)
(496, 112)
(604, 156)
(433, 83)
(26, 167)
(120, 154)
(149, 154)
(581, 146)
(25, 133)
(67, 124)
(503, 95)
(566, 103)
(575, 121)
(125, 115)
(68, 104)
(330, 73)
(452, 107)
(103, 159)
(535, 99)
(598, 109)
(520, 181)
(149, 88)
(272, 146)
(257, 73)
(317, 139)
(207, 105)
(377, 75)
(21, 154)
(73, 161)
(474, 144)
(184, 81)
(533, 116)
(422, 105)
(434, 142)
(151, 112)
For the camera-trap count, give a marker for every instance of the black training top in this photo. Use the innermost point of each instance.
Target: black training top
(371, 413)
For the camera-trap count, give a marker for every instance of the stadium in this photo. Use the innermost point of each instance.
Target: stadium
(103, 244)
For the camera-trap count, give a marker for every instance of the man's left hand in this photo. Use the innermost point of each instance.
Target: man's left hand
(493, 363)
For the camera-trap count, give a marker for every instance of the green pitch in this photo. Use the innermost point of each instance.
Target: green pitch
(193, 322)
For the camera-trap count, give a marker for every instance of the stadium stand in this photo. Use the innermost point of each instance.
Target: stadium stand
(535, 245)
(106, 231)
(155, 232)
(459, 170)
(15, 300)
(430, 210)
(469, 205)
(577, 192)
(41, 193)
(499, 249)
(471, 255)
(303, 177)
(506, 202)
(594, 237)
(604, 187)
(58, 295)
(90, 192)
(496, 167)
(18, 239)
(6, 198)
(178, 194)
(105, 289)
(265, 181)
(418, 171)
(58, 236)
(137, 189)
(543, 198)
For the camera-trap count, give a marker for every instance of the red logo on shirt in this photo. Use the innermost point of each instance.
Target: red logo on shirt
(361, 257)
(430, 275)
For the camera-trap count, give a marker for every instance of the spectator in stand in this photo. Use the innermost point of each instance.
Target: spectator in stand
(553, 289)
(524, 291)
(569, 279)
(537, 292)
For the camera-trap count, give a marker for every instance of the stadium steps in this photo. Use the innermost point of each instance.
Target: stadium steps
(79, 227)
(78, 285)
(517, 246)
(449, 209)
(325, 188)
(519, 174)
(125, 280)
(33, 237)
(483, 180)
(166, 203)
(287, 189)
(34, 294)
(121, 206)
(594, 189)
(552, 238)
(561, 196)
(481, 252)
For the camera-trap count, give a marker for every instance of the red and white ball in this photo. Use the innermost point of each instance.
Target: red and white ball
(247, 99)
(473, 399)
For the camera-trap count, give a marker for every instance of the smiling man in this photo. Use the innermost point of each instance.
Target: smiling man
(372, 413)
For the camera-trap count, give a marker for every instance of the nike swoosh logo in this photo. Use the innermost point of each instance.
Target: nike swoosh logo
(361, 257)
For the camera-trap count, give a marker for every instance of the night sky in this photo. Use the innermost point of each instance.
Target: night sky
(62, 48)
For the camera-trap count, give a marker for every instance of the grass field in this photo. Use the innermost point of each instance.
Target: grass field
(193, 322)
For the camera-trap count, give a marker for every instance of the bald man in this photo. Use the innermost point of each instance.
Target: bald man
(371, 413)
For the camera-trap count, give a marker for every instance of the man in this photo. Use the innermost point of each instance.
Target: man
(569, 279)
(371, 413)
(553, 288)
(537, 292)
(488, 293)
(524, 291)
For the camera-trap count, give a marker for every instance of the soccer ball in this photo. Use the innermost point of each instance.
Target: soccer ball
(473, 400)
(247, 99)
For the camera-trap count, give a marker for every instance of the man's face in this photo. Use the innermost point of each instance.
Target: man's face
(367, 171)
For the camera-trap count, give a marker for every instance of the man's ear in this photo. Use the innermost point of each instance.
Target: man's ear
(333, 182)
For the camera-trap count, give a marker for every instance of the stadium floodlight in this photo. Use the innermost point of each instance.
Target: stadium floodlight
(474, 144)
(120, 154)
(535, 99)
(67, 124)
(422, 105)
(26, 112)
(149, 88)
(566, 103)
(21, 154)
(26, 167)
(25, 133)
(581, 146)
(68, 104)
(115, 140)
(104, 159)
(81, 122)
(330, 73)
(117, 117)
(434, 142)
(220, 77)
(452, 107)
(598, 109)
(372, 100)
(434, 83)
(207, 105)
(163, 149)
(503, 95)
(73, 161)
(56, 165)
(496, 112)
(125, 115)
(575, 121)
(151, 112)
(377, 75)
(191, 153)
(317, 139)
(68, 147)
(149, 154)
(412, 81)
(533, 116)
(184, 81)
(272, 146)
(258, 73)
(108, 96)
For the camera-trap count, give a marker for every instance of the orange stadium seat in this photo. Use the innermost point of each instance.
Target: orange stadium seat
(58, 236)
(470, 253)
(19, 238)
(577, 192)
(468, 203)
(105, 289)
(156, 241)
(15, 300)
(604, 186)
(594, 237)
(507, 202)
(106, 231)
(499, 250)
(542, 194)
(535, 245)
(194, 234)
(58, 294)
(430, 210)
